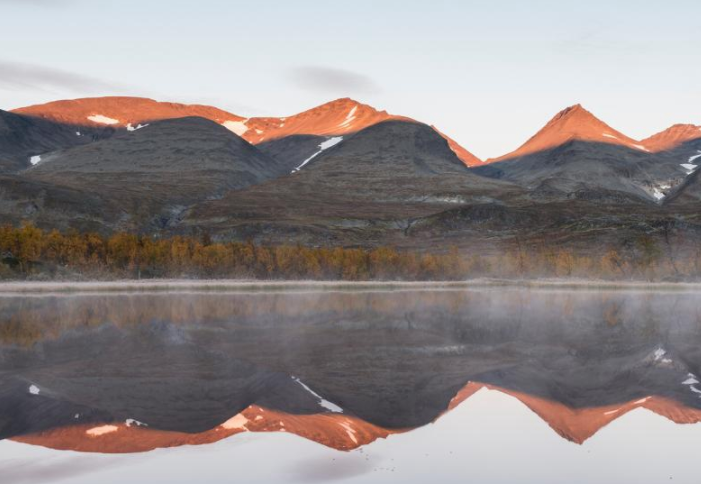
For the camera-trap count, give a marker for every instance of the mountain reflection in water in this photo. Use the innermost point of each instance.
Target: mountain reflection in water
(131, 372)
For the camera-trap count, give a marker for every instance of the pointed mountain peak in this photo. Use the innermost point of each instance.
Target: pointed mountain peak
(334, 118)
(344, 101)
(672, 137)
(574, 118)
(576, 112)
(344, 106)
(574, 109)
(572, 123)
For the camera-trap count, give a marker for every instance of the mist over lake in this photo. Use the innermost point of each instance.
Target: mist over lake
(379, 376)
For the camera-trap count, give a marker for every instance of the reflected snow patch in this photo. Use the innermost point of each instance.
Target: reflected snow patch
(135, 423)
(103, 430)
(100, 119)
(332, 407)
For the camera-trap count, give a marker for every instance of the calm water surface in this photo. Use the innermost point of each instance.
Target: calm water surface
(463, 385)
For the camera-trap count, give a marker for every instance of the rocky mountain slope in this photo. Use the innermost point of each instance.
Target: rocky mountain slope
(572, 123)
(378, 180)
(672, 137)
(156, 171)
(24, 139)
(576, 155)
(336, 118)
(342, 173)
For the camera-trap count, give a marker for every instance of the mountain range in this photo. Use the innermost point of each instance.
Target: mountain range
(343, 173)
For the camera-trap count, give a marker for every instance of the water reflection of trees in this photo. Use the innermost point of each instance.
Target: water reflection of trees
(462, 315)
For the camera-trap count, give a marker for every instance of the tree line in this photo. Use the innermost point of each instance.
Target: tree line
(28, 252)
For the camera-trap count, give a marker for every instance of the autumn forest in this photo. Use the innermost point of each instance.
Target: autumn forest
(28, 252)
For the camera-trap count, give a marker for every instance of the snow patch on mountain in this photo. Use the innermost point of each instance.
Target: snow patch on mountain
(439, 199)
(330, 142)
(35, 159)
(349, 118)
(323, 146)
(640, 147)
(237, 127)
(659, 192)
(689, 166)
(100, 119)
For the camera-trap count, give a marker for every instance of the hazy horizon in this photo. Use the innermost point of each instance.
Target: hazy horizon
(476, 70)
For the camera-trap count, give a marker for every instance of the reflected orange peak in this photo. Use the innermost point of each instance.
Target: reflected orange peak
(339, 431)
(333, 430)
(579, 424)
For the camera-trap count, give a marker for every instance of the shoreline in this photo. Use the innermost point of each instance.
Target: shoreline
(229, 285)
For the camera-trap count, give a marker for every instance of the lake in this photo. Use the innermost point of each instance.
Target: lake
(366, 383)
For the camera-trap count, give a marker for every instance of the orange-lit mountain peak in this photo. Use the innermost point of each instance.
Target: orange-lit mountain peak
(121, 111)
(339, 117)
(572, 123)
(672, 137)
(335, 118)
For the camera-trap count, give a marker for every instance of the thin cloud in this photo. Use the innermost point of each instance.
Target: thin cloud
(38, 3)
(20, 76)
(317, 78)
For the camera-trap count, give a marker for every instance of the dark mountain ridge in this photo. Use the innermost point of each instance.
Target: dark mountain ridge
(23, 138)
(162, 167)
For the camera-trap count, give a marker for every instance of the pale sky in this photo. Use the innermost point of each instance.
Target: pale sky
(487, 73)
